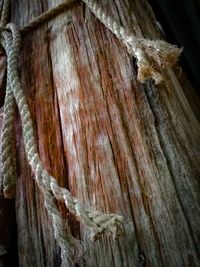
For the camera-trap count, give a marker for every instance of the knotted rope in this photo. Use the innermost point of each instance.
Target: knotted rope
(151, 57)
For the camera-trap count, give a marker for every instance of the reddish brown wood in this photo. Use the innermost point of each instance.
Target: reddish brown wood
(118, 145)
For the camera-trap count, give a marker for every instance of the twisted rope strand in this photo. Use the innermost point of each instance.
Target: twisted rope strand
(68, 244)
(5, 12)
(8, 135)
(98, 221)
(7, 145)
(153, 56)
(49, 182)
(47, 15)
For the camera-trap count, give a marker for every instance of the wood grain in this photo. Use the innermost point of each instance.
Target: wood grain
(118, 145)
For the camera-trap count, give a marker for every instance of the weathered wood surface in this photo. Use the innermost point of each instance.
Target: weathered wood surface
(118, 145)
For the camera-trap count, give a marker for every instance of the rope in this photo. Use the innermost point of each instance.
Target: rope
(97, 221)
(8, 142)
(47, 15)
(152, 57)
(5, 12)
(65, 240)
(7, 145)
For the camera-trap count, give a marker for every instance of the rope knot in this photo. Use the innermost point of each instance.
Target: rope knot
(109, 223)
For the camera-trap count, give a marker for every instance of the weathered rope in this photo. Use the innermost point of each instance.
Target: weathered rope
(67, 242)
(47, 15)
(5, 12)
(7, 145)
(7, 138)
(97, 221)
(152, 57)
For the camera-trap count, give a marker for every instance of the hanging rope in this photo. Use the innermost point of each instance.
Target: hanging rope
(47, 15)
(151, 57)
(8, 141)
(99, 222)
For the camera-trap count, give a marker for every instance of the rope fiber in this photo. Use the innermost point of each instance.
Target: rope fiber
(152, 57)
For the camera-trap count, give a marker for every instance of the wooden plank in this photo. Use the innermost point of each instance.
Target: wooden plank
(118, 145)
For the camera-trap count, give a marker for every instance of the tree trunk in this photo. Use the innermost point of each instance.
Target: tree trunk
(118, 145)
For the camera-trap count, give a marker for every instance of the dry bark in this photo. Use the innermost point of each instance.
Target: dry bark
(118, 145)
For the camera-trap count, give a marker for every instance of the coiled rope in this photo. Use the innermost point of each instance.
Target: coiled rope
(152, 56)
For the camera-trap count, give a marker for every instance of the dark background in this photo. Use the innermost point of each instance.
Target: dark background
(180, 20)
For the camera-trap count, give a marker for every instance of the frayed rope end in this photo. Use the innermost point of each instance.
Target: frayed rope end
(9, 190)
(153, 57)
